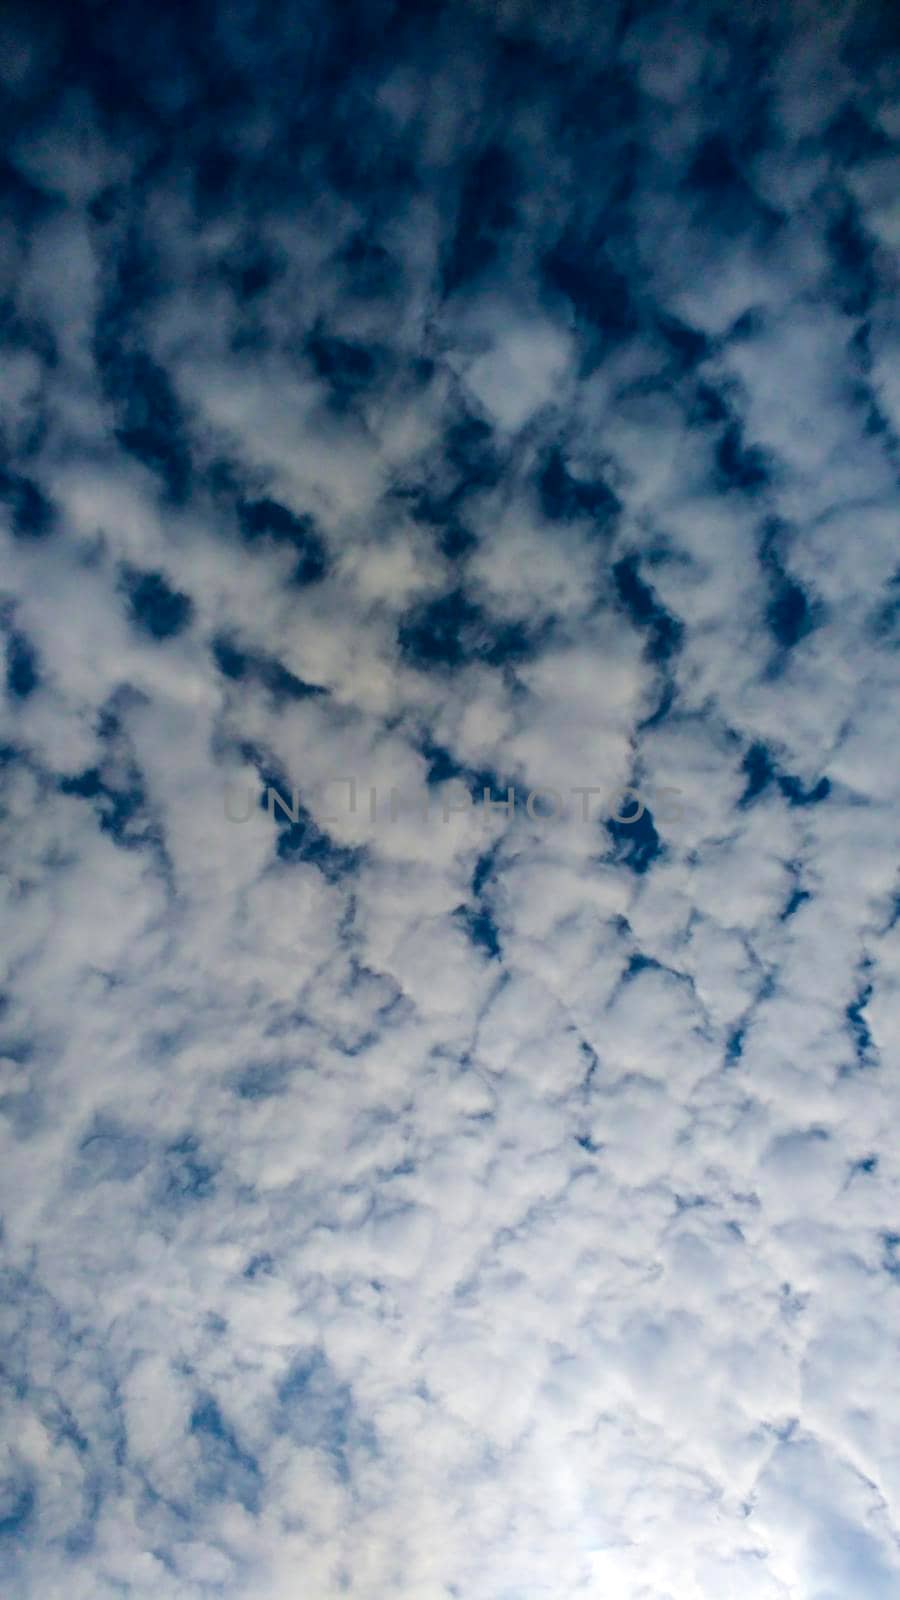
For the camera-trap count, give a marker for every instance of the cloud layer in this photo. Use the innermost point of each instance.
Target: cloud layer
(464, 1205)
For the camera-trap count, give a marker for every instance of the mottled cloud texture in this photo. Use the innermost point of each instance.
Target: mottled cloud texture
(450, 396)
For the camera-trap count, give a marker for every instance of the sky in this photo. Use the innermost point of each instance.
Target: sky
(450, 610)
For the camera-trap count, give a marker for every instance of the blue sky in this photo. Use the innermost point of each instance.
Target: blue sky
(464, 1204)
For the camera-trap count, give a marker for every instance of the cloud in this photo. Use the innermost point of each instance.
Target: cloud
(409, 1196)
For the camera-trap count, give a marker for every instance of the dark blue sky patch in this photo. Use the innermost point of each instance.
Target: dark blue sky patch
(762, 770)
(746, 327)
(760, 766)
(106, 206)
(24, 329)
(443, 766)
(135, 283)
(563, 497)
(452, 630)
(707, 406)
(456, 540)
(348, 367)
(259, 1266)
(225, 479)
(581, 270)
(156, 608)
(664, 632)
(885, 618)
(439, 501)
(480, 928)
(640, 963)
(250, 270)
(22, 203)
(468, 462)
(734, 1046)
(796, 795)
(360, 169)
(82, 1537)
(269, 520)
(739, 466)
(18, 1504)
(22, 676)
(668, 690)
(471, 452)
(186, 1176)
(317, 1410)
(890, 1261)
(282, 684)
(872, 38)
(231, 662)
(151, 425)
(15, 1047)
(261, 1080)
(438, 635)
(311, 1375)
(249, 335)
(306, 841)
(866, 1055)
(442, 512)
(216, 173)
(226, 1471)
(120, 811)
(484, 871)
(487, 211)
(852, 256)
(850, 137)
(238, 664)
(789, 614)
(714, 171)
(797, 898)
(638, 844)
(592, 106)
(62, 1425)
(725, 198)
(865, 1166)
(33, 516)
(688, 347)
(87, 784)
(371, 272)
(342, 55)
(299, 836)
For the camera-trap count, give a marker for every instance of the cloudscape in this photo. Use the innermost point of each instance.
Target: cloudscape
(450, 603)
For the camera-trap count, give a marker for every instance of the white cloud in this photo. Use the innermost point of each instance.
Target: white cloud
(423, 1207)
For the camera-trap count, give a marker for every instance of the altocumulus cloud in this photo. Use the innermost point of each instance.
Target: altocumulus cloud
(456, 396)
